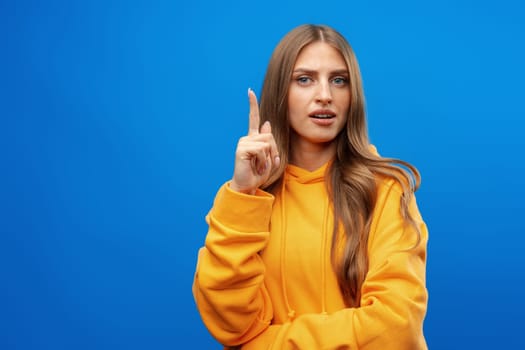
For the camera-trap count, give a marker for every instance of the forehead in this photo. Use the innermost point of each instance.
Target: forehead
(319, 55)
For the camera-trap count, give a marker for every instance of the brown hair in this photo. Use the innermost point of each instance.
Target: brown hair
(351, 179)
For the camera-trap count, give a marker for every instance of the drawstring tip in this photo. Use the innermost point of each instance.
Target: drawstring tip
(291, 314)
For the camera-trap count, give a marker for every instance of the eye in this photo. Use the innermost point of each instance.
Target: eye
(303, 80)
(340, 81)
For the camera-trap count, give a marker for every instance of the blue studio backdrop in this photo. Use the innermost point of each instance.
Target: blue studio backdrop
(119, 120)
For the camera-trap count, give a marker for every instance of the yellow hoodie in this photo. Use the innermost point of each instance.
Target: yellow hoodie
(264, 279)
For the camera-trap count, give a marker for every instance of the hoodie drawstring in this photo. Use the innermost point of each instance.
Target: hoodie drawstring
(323, 259)
(291, 312)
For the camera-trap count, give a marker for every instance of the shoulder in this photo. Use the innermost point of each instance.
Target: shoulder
(387, 186)
(394, 210)
(391, 193)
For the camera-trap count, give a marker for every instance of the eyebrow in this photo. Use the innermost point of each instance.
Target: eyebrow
(311, 71)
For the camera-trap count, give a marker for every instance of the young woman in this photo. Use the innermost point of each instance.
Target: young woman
(317, 241)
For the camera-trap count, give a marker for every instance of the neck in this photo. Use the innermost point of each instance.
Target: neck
(311, 156)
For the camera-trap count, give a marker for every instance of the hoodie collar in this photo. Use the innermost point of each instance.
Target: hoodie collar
(297, 174)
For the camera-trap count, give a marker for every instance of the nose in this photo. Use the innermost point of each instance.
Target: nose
(324, 93)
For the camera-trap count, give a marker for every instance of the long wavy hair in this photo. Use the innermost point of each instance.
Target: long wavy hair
(352, 176)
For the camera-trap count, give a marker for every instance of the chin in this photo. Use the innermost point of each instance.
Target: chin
(323, 140)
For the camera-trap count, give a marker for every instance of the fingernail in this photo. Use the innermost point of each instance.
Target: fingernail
(277, 161)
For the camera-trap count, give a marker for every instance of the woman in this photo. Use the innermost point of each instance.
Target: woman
(317, 241)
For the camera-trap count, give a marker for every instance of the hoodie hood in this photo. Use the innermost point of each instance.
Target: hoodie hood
(303, 176)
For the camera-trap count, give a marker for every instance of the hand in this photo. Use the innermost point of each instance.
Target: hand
(256, 155)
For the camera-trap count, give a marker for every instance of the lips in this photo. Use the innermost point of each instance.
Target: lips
(322, 114)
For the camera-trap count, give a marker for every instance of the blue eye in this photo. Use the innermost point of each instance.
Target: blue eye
(339, 81)
(303, 80)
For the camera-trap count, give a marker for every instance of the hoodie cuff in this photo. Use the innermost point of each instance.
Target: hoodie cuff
(243, 212)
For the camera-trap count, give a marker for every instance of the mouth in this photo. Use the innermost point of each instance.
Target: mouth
(322, 114)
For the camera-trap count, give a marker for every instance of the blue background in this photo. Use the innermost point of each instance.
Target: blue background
(119, 120)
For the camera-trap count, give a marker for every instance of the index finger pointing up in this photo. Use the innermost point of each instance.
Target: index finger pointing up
(253, 127)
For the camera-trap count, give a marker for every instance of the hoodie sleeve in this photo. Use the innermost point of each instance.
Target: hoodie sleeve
(228, 284)
(394, 295)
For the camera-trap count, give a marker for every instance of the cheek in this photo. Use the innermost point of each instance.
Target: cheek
(295, 101)
(344, 100)
(293, 96)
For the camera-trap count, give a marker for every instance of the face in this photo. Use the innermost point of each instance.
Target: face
(318, 98)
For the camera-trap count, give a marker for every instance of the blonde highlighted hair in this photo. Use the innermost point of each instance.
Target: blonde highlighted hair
(352, 176)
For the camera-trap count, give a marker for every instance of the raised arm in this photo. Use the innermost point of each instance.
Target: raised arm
(229, 281)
